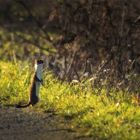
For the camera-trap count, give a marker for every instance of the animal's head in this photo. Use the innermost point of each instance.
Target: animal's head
(39, 64)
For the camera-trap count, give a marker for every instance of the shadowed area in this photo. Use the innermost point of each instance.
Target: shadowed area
(27, 124)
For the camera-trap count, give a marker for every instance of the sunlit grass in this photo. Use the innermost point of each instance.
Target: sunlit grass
(104, 117)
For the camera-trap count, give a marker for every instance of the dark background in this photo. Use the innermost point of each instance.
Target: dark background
(79, 39)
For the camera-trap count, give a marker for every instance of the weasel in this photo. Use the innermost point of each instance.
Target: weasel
(35, 85)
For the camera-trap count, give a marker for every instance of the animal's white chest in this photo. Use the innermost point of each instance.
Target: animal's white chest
(38, 71)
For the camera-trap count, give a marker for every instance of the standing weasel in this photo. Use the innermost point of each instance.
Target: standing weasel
(35, 85)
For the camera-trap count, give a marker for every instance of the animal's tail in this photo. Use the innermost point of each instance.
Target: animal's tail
(23, 106)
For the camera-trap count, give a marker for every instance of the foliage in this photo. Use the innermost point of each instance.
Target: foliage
(116, 116)
(21, 45)
(89, 36)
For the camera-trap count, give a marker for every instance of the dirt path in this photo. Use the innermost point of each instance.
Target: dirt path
(26, 124)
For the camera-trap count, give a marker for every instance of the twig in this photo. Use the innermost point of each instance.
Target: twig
(35, 20)
(35, 44)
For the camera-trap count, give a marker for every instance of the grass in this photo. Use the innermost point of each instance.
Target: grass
(114, 117)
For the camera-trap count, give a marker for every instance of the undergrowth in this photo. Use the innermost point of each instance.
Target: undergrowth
(114, 117)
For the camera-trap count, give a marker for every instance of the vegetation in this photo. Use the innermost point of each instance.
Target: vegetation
(96, 114)
(87, 36)
(92, 54)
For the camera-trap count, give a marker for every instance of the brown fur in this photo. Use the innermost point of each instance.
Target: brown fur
(33, 99)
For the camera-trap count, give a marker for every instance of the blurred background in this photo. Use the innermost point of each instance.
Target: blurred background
(78, 39)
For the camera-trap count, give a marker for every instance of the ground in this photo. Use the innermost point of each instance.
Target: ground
(27, 124)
